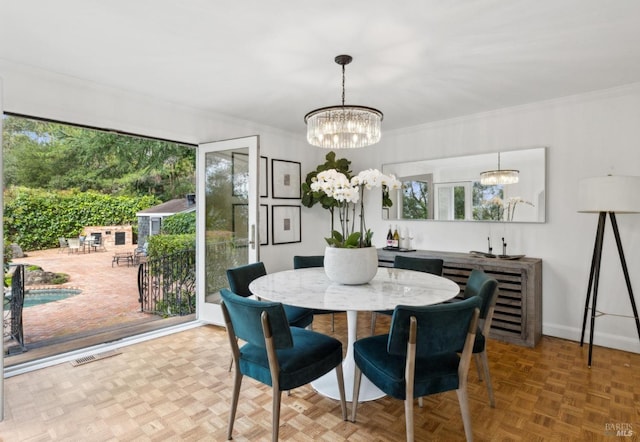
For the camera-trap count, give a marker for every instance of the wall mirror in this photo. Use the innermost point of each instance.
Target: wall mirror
(449, 189)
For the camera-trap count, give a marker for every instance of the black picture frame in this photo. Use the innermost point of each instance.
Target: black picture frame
(239, 174)
(264, 177)
(285, 179)
(286, 226)
(263, 230)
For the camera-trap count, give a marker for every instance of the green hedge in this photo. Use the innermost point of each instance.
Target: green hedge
(35, 219)
(179, 223)
(161, 245)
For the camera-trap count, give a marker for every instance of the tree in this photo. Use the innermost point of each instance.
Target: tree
(55, 156)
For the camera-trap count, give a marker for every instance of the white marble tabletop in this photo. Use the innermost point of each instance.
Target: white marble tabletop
(390, 287)
(311, 288)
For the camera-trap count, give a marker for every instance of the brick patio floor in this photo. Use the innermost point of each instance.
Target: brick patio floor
(109, 295)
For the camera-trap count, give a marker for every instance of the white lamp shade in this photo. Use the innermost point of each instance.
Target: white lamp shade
(620, 194)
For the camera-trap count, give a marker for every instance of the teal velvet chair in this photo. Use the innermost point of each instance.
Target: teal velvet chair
(275, 354)
(426, 265)
(239, 279)
(486, 288)
(420, 356)
(305, 262)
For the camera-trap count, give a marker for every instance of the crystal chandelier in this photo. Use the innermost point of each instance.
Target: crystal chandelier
(499, 176)
(343, 126)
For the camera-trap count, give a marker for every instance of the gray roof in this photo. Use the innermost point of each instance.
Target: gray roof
(168, 208)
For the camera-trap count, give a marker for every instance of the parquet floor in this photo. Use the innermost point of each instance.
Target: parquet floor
(178, 388)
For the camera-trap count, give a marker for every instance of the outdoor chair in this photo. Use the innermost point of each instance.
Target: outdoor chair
(276, 354)
(427, 265)
(74, 244)
(305, 262)
(420, 356)
(97, 243)
(64, 244)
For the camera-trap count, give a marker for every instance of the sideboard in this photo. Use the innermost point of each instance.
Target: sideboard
(518, 313)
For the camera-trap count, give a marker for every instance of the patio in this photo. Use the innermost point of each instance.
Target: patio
(108, 301)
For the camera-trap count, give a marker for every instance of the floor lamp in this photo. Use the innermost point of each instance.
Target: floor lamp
(607, 195)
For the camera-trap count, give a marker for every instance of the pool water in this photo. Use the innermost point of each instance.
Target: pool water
(42, 296)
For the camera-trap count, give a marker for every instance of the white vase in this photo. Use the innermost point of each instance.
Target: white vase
(351, 266)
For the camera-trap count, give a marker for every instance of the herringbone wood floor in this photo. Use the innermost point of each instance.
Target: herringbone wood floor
(178, 388)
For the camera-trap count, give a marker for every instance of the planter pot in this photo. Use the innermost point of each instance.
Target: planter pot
(351, 266)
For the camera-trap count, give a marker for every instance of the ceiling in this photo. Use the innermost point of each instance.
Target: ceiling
(271, 62)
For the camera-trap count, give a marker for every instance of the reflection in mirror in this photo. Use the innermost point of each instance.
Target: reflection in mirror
(450, 189)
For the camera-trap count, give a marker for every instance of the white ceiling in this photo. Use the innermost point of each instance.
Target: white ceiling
(271, 61)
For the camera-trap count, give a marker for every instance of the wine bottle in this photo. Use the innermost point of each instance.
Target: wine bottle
(396, 239)
(389, 237)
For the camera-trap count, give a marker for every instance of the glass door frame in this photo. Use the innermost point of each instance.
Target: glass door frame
(209, 312)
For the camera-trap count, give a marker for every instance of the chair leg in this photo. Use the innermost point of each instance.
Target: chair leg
(356, 393)
(476, 357)
(487, 377)
(276, 414)
(343, 404)
(374, 316)
(237, 381)
(333, 322)
(466, 415)
(408, 416)
(420, 402)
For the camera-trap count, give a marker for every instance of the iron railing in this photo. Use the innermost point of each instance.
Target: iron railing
(16, 305)
(167, 285)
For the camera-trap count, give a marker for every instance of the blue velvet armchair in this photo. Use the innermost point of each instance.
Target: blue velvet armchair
(239, 279)
(426, 265)
(420, 356)
(305, 262)
(276, 354)
(486, 288)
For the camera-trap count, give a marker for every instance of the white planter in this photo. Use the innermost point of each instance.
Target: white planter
(351, 266)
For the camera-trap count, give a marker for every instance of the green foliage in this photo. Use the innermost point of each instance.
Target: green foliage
(179, 223)
(35, 219)
(415, 199)
(352, 241)
(161, 245)
(41, 154)
(171, 305)
(311, 198)
(60, 278)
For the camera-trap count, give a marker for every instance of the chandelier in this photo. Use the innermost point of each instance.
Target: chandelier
(499, 176)
(343, 126)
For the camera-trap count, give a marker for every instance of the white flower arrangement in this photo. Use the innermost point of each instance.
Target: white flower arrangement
(349, 193)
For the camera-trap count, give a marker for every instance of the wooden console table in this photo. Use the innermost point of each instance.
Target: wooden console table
(518, 314)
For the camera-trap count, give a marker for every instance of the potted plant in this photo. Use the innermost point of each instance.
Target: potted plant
(350, 257)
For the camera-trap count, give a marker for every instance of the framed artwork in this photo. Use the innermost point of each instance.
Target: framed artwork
(239, 174)
(240, 222)
(285, 179)
(285, 224)
(263, 231)
(264, 177)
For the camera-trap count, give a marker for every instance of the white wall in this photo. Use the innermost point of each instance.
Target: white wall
(588, 135)
(38, 93)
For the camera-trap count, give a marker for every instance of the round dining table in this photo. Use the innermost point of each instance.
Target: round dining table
(311, 288)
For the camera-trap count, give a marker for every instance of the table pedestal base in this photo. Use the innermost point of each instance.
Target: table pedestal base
(327, 385)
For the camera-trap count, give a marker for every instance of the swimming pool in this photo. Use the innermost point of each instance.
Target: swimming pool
(42, 296)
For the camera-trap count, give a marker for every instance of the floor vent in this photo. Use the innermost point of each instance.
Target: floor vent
(96, 357)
